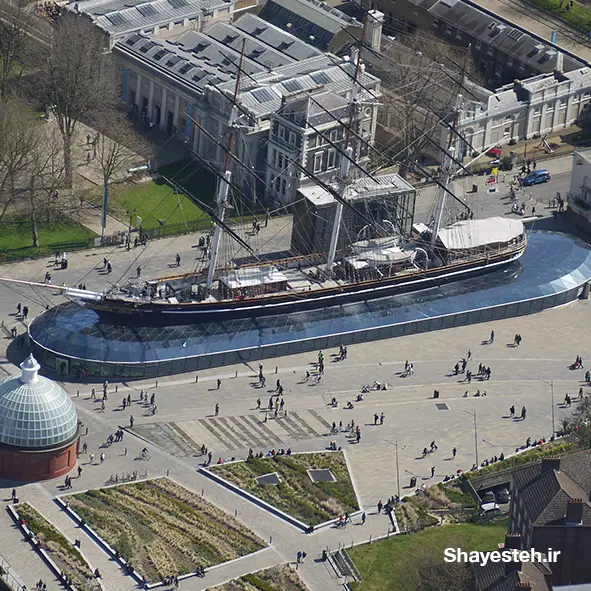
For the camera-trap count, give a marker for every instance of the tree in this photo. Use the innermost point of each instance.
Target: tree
(118, 148)
(579, 423)
(14, 41)
(77, 80)
(421, 78)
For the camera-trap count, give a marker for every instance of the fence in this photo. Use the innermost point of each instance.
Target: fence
(7, 577)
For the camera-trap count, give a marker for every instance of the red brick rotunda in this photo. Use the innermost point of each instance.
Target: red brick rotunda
(38, 427)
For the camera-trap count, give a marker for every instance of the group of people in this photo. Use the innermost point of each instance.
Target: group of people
(50, 10)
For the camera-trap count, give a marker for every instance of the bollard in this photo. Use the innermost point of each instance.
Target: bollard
(3, 324)
(77, 393)
(351, 543)
(125, 453)
(116, 388)
(235, 512)
(270, 539)
(196, 379)
(156, 384)
(167, 472)
(86, 431)
(236, 374)
(370, 538)
(202, 492)
(276, 369)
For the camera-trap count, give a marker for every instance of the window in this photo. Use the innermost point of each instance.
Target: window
(537, 111)
(277, 184)
(283, 186)
(332, 158)
(318, 161)
(292, 138)
(576, 98)
(281, 132)
(274, 157)
(478, 44)
(280, 159)
(435, 23)
(550, 108)
(510, 61)
(334, 135)
(312, 141)
(563, 103)
(489, 50)
(448, 30)
(459, 34)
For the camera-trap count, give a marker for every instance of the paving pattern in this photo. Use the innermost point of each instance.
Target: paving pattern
(185, 438)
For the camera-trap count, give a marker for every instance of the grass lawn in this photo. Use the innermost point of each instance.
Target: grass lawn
(152, 201)
(16, 237)
(310, 502)
(195, 179)
(578, 17)
(162, 528)
(394, 564)
(59, 548)
(277, 578)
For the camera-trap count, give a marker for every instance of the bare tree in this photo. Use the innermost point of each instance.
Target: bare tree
(422, 77)
(117, 148)
(17, 141)
(77, 80)
(14, 41)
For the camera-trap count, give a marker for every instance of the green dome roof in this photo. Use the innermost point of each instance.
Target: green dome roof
(35, 412)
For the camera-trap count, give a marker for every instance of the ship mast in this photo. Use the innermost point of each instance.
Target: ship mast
(446, 175)
(346, 158)
(224, 186)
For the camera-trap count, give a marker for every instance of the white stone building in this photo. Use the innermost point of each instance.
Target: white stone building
(534, 107)
(579, 197)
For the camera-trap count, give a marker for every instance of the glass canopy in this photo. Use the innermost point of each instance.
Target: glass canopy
(552, 264)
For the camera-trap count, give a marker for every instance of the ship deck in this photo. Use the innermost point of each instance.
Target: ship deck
(552, 272)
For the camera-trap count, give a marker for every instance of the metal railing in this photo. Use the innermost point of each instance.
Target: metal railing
(6, 575)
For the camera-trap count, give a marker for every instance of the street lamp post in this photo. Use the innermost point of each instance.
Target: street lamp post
(473, 413)
(395, 444)
(551, 384)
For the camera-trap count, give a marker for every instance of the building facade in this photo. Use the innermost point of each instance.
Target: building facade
(579, 197)
(186, 88)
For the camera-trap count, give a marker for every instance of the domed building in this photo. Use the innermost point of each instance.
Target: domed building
(38, 427)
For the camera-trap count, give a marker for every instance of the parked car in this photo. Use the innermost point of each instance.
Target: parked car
(488, 497)
(503, 495)
(536, 177)
(489, 509)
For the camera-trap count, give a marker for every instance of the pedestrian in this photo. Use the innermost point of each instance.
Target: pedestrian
(533, 211)
(92, 458)
(217, 409)
(299, 556)
(131, 420)
(432, 471)
(523, 413)
(375, 418)
(138, 271)
(219, 383)
(109, 267)
(358, 436)
(304, 557)
(84, 447)
(79, 471)
(512, 411)
(258, 403)
(363, 518)
(454, 451)
(492, 337)
(178, 259)
(102, 457)
(380, 505)
(469, 355)
(18, 309)
(382, 419)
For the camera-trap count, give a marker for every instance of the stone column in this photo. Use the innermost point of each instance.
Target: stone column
(138, 90)
(177, 105)
(164, 108)
(150, 100)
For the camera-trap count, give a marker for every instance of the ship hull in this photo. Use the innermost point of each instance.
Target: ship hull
(163, 313)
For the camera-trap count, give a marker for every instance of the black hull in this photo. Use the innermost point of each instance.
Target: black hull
(150, 314)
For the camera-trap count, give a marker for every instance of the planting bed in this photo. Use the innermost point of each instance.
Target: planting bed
(62, 552)
(278, 578)
(296, 494)
(163, 529)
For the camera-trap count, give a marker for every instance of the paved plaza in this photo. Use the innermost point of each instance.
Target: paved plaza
(186, 420)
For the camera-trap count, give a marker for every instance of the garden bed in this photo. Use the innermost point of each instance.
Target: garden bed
(277, 578)
(59, 549)
(163, 529)
(309, 502)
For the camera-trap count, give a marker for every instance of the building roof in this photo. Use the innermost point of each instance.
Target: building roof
(262, 93)
(308, 18)
(493, 577)
(545, 492)
(475, 233)
(362, 188)
(503, 35)
(35, 413)
(119, 17)
(275, 37)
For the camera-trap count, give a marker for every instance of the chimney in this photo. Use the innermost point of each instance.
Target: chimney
(375, 22)
(550, 463)
(522, 586)
(559, 62)
(512, 542)
(574, 512)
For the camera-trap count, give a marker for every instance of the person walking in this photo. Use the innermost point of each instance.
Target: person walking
(178, 259)
(454, 451)
(380, 505)
(363, 518)
(432, 471)
(103, 458)
(217, 409)
(219, 383)
(382, 416)
(512, 411)
(375, 418)
(299, 557)
(79, 471)
(258, 403)
(492, 337)
(84, 447)
(131, 421)
(92, 458)
(523, 413)
(138, 271)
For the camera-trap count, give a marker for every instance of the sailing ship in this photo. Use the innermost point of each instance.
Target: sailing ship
(375, 262)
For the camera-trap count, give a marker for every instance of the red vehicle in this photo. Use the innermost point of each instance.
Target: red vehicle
(494, 152)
